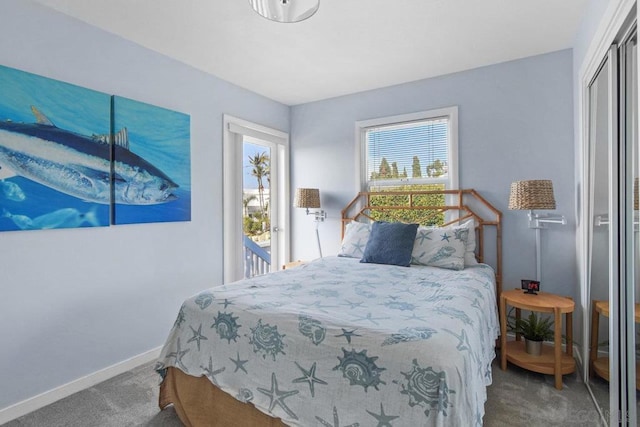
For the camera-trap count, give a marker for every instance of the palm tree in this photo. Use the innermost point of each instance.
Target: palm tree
(260, 169)
(245, 203)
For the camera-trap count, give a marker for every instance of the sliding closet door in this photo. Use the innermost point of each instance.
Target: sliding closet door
(628, 183)
(601, 134)
(613, 245)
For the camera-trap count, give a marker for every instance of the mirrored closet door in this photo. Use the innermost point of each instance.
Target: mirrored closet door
(630, 262)
(600, 135)
(611, 233)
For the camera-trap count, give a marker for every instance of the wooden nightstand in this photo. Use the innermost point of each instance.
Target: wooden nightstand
(292, 264)
(552, 361)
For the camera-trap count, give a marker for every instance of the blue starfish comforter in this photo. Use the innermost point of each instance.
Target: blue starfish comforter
(340, 343)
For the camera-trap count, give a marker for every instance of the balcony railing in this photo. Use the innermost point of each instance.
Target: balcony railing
(257, 260)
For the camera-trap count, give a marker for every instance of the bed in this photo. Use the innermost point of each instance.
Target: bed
(338, 342)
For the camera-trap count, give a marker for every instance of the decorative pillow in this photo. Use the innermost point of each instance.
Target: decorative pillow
(355, 239)
(440, 247)
(470, 244)
(469, 239)
(390, 243)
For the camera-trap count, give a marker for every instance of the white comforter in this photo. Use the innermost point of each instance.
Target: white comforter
(340, 343)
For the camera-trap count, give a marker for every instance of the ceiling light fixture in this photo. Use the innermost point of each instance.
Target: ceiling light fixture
(285, 10)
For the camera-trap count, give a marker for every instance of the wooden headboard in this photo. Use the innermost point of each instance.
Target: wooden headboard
(436, 208)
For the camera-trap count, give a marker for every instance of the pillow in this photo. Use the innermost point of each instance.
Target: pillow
(440, 247)
(469, 238)
(390, 243)
(356, 236)
(470, 244)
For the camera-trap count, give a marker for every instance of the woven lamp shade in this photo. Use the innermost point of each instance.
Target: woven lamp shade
(307, 198)
(532, 194)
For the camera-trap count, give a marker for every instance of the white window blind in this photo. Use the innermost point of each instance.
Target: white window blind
(415, 152)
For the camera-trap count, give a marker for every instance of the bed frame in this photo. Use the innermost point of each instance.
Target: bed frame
(460, 205)
(199, 403)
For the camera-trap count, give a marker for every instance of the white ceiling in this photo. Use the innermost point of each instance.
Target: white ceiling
(348, 46)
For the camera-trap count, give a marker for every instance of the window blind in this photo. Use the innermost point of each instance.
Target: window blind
(414, 152)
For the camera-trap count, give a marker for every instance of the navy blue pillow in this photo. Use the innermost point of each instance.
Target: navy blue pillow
(390, 243)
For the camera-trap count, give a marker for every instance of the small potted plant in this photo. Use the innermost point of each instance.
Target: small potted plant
(535, 330)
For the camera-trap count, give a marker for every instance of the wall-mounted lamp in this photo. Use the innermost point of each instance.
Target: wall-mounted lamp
(285, 10)
(531, 195)
(310, 198)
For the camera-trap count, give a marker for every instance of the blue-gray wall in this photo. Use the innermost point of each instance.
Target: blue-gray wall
(73, 302)
(515, 122)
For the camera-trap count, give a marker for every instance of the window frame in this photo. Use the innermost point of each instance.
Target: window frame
(362, 181)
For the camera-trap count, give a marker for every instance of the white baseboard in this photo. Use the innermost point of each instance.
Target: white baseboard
(48, 397)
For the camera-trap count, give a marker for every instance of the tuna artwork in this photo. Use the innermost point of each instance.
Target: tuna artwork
(73, 157)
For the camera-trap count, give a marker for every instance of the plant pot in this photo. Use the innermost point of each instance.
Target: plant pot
(534, 348)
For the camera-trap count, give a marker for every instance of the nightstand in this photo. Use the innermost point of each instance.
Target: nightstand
(552, 361)
(292, 264)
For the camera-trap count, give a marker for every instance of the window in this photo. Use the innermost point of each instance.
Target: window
(416, 151)
(409, 150)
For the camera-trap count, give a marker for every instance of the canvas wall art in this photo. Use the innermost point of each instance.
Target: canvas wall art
(54, 167)
(152, 163)
(63, 164)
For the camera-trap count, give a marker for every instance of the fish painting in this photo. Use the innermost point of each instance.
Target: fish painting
(61, 218)
(68, 151)
(80, 165)
(12, 191)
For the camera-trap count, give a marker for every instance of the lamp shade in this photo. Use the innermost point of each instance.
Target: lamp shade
(532, 194)
(307, 198)
(285, 10)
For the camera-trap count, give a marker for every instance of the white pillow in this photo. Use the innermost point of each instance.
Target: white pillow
(355, 239)
(469, 239)
(470, 244)
(440, 247)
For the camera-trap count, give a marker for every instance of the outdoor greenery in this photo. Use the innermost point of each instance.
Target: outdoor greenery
(390, 171)
(423, 217)
(258, 223)
(435, 169)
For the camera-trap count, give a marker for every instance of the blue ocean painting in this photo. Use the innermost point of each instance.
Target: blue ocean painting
(54, 153)
(156, 185)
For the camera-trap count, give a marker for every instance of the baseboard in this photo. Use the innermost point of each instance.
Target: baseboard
(48, 397)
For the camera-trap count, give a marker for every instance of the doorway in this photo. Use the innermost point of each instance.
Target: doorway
(255, 199)
(259, 205)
